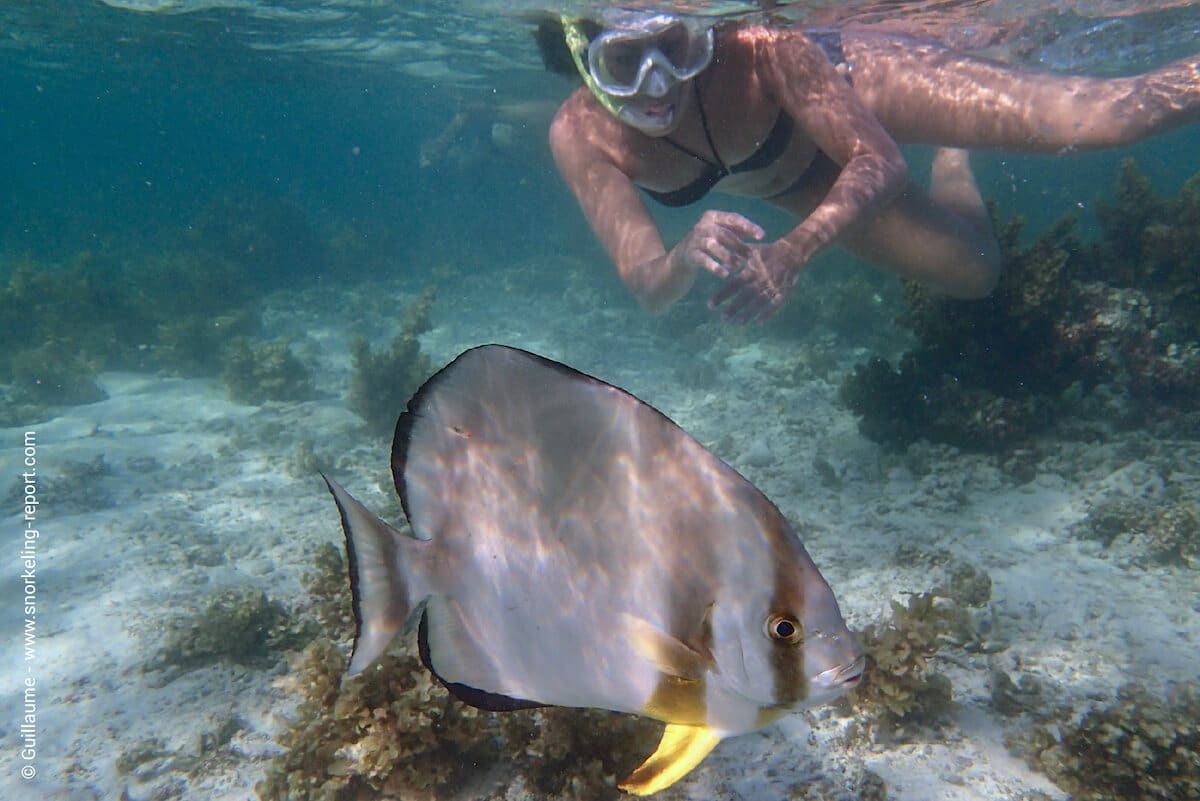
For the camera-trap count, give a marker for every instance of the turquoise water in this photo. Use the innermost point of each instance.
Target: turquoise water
(190, 184)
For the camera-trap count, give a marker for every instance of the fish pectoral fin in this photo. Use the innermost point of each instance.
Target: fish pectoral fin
(681, 749)
(671, 655)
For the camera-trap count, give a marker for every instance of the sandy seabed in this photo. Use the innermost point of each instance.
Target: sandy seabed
(167, 492)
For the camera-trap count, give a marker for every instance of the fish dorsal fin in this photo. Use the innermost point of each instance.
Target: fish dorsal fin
(671, 655)
(681, 749)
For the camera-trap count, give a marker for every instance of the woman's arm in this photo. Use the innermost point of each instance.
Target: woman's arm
(822, 102)
(594, 160)
(798, 75)
(610, 201)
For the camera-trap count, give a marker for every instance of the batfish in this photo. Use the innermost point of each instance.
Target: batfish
(572, 546)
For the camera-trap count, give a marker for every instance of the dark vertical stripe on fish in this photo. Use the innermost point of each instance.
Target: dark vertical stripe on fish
(787, 598)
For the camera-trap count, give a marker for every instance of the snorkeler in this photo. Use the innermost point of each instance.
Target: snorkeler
(809, 121)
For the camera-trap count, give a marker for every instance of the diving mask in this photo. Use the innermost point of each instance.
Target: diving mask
(622, 58)
(635, 47)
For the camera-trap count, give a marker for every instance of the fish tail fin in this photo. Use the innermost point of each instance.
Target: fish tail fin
(378, 577)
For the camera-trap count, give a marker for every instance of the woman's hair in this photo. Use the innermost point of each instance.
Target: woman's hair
(552, 43)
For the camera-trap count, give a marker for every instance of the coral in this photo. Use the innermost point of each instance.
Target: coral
(328, 587)
(150, 758)
(1125, 219)
(1011, 698)
(139, 754)
(1141, 747)
(386, 730)
(305, 463)
(382, 383)
(53, 374)
(258, 373)
(899, 406)
(1154, 242)
(85, 306)
(898, 688)
(162, 311)
(239, 626)
(195, 343)
(1157, 532)
(992, 374)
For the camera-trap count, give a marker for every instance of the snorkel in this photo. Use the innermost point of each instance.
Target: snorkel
(578, 43)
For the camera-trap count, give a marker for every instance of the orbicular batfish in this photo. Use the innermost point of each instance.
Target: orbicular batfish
(572, 546)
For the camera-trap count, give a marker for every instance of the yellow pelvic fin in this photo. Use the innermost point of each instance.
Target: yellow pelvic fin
(681, 749)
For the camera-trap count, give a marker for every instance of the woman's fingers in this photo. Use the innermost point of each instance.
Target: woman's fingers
(726, 252)
(748, 296)
(719, 242)
(742, 227)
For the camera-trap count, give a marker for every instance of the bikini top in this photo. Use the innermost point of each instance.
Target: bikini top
(715, 168)
(829, 40)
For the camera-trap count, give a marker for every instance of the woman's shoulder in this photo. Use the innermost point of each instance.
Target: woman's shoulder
(582, 110)
(583, 125)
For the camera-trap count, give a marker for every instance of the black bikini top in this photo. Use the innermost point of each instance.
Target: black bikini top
(715, 168)
(829, 40)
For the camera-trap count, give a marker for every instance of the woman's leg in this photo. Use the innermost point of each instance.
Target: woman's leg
(925, 93)
(942, 238)
(952, 186)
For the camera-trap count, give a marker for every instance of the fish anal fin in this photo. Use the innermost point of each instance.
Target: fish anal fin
(671, 655)
(472, 696)
(681, 749)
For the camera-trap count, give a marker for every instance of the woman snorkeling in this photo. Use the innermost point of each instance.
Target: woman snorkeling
(809, 121)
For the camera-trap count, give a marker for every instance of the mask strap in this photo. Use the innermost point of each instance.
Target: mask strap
(577, 43)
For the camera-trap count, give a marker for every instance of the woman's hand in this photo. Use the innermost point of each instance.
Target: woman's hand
(717, 243)
(759, 289)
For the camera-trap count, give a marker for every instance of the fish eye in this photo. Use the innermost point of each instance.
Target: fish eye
(785, 628)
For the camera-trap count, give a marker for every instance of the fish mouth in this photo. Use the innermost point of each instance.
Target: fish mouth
(842, 677)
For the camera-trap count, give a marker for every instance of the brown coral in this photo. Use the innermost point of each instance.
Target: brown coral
(1141, 747)
(898, 688)
(383, 382)
(991, 374)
